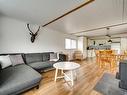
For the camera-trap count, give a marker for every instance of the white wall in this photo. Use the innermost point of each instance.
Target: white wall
(123, 44)
(82, 45)
(15, 37)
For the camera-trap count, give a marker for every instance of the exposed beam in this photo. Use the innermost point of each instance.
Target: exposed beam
(113, 36)
(103, 38)
(73, 10)
(110, 34)
(100, 28)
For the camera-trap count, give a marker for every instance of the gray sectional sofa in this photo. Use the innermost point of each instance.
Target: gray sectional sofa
(41, 61)
(14, 80)
(17, 79)
(122, 74)
(38, 61)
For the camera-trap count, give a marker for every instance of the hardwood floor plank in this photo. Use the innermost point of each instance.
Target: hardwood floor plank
(88, 75)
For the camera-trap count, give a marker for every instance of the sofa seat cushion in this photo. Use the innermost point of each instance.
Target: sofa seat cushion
(15, 79)
(42, 65)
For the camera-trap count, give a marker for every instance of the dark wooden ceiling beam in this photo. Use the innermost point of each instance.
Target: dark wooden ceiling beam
(67, 13)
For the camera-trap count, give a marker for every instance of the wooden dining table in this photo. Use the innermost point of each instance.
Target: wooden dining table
(108, 56)
(119, 57)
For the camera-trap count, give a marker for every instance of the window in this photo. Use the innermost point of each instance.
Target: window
(115, 46)
(73, 44)
(67, 43)
(70, 44)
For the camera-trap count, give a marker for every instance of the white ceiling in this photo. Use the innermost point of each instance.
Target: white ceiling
(122, 29)
(99, 13)
(96, 14)
(37, 11)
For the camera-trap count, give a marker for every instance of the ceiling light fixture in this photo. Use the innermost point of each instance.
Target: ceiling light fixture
(108, 29)
(110, 41)
(108, 32)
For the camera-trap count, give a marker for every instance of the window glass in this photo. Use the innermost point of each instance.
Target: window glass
(73, 44)
(70, 44)
(116, 46)
(67, 44)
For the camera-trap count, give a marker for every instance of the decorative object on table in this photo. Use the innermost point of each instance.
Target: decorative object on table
(33, 35)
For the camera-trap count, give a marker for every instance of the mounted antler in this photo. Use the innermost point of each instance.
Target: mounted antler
(33, 35)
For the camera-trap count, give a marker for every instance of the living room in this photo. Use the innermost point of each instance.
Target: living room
(74, 47)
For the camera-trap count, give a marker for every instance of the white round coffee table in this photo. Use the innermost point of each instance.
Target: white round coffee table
(66, 66)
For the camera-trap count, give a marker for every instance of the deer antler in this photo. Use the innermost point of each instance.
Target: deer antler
(37, 31)
(33, 35)
(29, 29)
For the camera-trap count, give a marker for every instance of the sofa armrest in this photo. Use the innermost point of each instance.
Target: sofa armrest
(0, 66)
(117, 75)
(123, 70)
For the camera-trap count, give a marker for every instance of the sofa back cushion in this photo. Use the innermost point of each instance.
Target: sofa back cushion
(45, 56)
(33, 57)
(53, 56)
(16, 59)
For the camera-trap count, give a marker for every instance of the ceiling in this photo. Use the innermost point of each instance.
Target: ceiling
(115, 30)
(37, 11)
(100, 13)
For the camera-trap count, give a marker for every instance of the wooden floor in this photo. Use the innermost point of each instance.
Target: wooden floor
(88, 75)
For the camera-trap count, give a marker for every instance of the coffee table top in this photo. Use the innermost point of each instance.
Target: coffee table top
(66, 65)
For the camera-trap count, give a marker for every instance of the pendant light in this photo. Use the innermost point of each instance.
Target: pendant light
(109, 41)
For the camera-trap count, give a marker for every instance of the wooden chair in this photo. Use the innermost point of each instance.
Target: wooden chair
(125, 54)
(78, 55)
(107, 57)
(97, 57)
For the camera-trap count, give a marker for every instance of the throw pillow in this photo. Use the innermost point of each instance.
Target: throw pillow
(16, 59)
(54, 57)
(5, 61)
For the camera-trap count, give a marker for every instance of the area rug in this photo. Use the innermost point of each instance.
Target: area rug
(109, 85)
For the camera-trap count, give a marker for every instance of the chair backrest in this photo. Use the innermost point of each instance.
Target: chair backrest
(96, 52)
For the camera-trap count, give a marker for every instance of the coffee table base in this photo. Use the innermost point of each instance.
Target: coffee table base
(70, 78)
